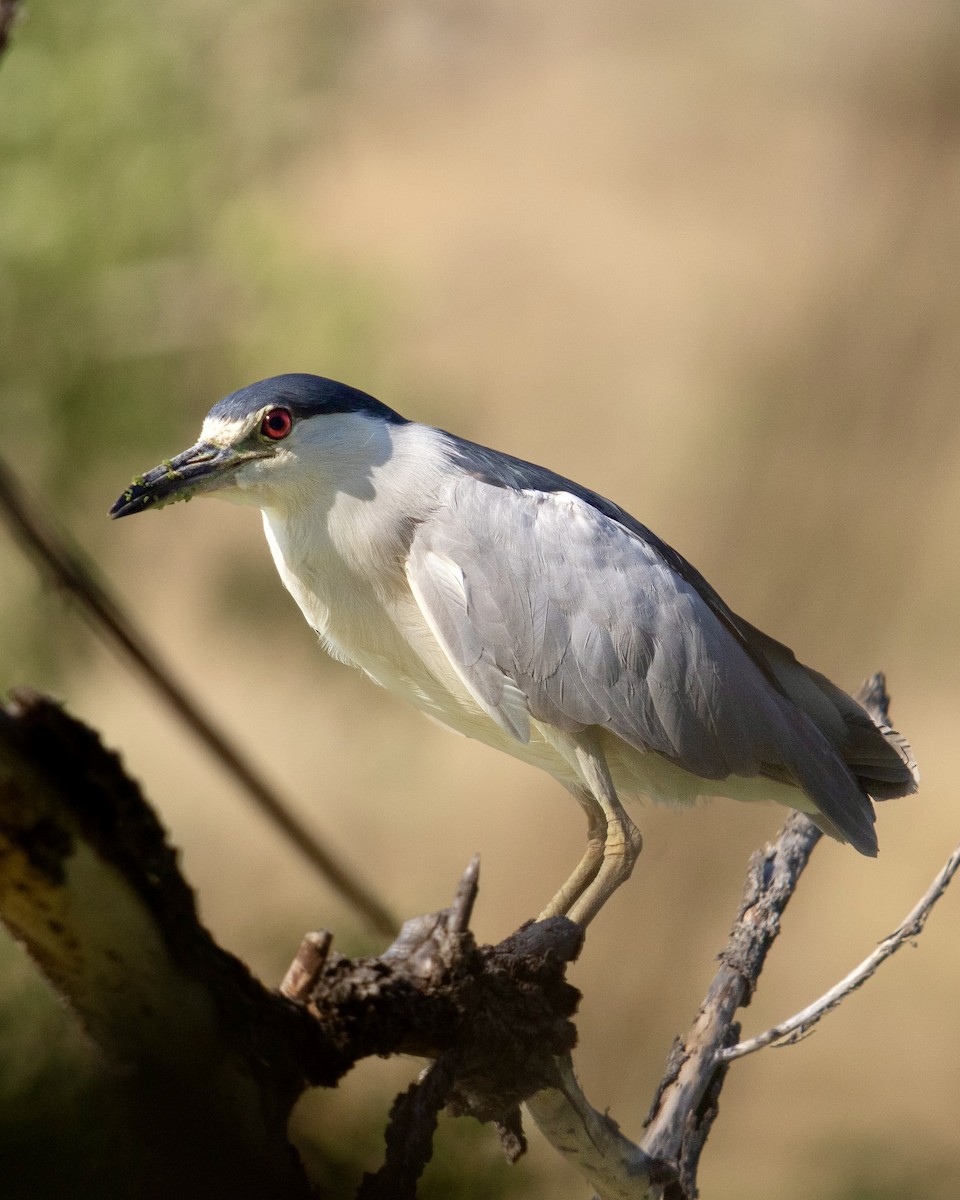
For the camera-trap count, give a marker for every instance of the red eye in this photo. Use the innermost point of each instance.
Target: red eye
(276, 424)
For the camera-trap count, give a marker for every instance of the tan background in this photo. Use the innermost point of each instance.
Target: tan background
(701, 258)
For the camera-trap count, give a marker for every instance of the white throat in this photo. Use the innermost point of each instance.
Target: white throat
(343, 550)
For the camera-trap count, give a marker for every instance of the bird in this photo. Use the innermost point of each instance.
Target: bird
(527, 611)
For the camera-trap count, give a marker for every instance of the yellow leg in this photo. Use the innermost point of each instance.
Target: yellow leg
(588, 866)
(613, 841)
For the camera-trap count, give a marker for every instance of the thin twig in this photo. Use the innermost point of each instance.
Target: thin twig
(793, 1028)
(106, 615)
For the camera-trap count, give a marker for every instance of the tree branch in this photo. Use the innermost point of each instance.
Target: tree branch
(685, 1106)
(794, 1028)
(665, 1161)
(593, 1144)
(210, 1061)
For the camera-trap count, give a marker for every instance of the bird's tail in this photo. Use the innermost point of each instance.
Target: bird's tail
(879, 762)
(876, 755)
(887, 769)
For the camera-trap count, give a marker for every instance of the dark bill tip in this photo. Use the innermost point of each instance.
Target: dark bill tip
(175, 480)
(135, 499)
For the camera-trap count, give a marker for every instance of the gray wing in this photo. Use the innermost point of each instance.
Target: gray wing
(548, 607)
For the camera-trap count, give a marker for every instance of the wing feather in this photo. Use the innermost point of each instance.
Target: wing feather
(548, 607)
(438, 586)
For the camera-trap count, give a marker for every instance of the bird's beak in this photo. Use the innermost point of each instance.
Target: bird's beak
(199, 469)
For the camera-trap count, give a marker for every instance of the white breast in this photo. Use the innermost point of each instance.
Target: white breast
(342, 558)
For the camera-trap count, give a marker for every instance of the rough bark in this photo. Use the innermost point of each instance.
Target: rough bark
(209, 1060)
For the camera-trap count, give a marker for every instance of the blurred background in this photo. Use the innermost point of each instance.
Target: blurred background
(701, 258)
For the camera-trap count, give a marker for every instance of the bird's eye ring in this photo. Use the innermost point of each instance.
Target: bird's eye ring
(276, 424)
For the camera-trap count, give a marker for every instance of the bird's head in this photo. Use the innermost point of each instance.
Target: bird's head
(266, 443)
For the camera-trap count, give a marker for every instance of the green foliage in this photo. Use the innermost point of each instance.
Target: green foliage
(145, 265)
(143, 269)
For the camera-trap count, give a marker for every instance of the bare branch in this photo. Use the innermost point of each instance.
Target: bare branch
(592, 1142)
(664, 1163)
(685, 1106)
(48, 548)
(795, 1027)
(212, 1062)
(683, 1110)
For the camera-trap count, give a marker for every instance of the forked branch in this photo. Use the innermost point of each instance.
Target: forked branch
(796, 1027)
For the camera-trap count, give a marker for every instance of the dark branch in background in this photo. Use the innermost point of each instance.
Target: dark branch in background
(49, 549)
(9, 11)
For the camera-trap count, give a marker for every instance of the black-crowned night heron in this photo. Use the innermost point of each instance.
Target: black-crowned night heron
(524, 610)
